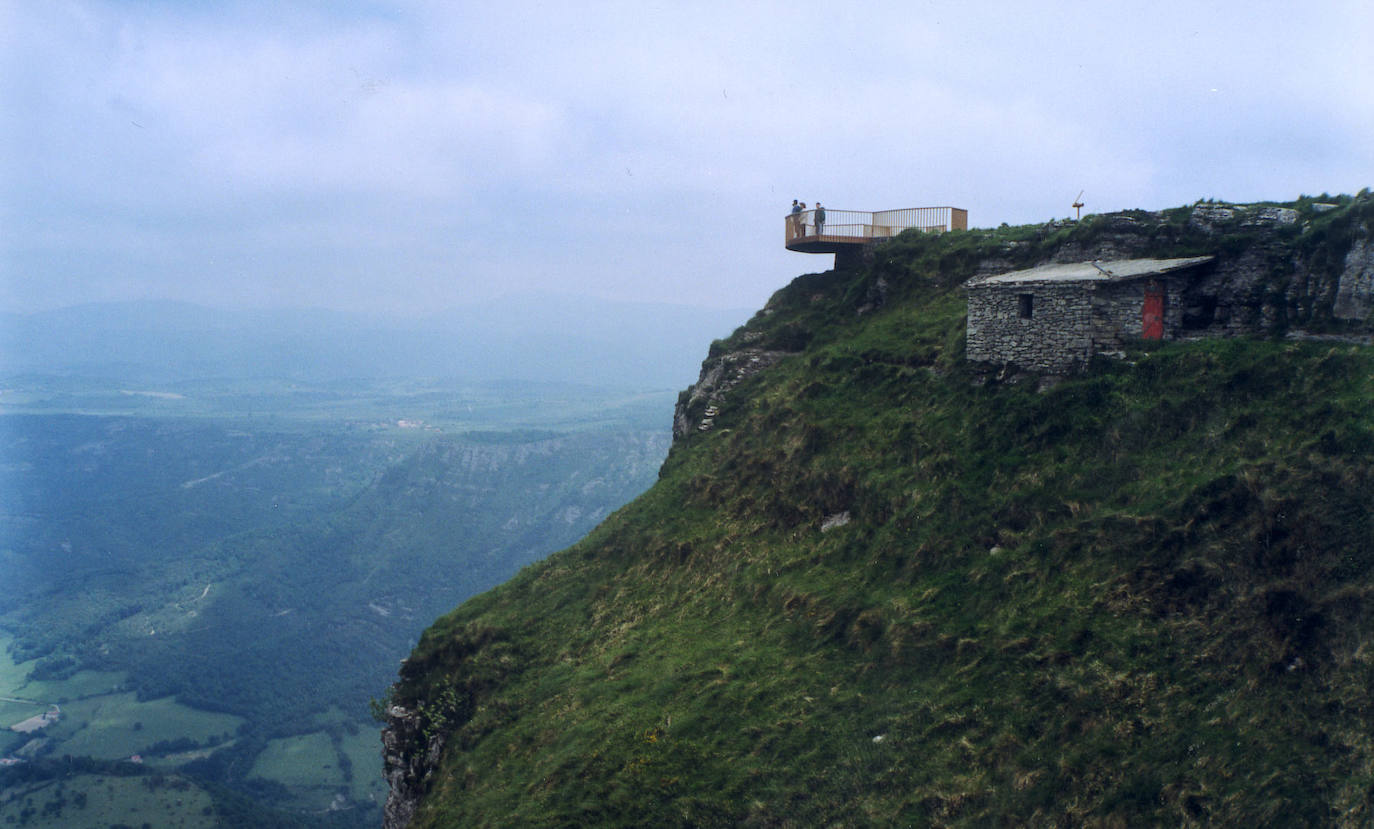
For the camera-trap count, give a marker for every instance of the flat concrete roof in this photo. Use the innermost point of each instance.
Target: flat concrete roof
(1097, 271)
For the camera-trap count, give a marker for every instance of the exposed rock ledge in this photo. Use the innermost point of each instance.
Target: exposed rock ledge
(1355, 289)
(407, 762)
(719, 375)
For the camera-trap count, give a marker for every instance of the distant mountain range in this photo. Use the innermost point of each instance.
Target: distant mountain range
(545, 338)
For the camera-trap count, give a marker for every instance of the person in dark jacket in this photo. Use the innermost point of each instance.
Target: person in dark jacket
(820, 219)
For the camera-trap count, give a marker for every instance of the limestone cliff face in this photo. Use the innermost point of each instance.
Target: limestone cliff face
(1284, 282)
(408, 760)
(1355, 288)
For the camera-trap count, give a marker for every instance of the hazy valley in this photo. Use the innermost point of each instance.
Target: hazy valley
(206, 580)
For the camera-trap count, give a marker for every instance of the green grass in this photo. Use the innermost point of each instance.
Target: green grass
(759, 647)
(1140, 597)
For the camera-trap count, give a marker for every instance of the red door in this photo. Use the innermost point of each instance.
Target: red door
(1152, 315)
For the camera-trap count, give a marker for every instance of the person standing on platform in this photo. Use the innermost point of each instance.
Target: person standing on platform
(820, 219)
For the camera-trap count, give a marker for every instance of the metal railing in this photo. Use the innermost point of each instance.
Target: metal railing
(859, 226)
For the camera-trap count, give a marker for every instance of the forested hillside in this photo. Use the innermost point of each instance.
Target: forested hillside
(221, 598)
(883, 586)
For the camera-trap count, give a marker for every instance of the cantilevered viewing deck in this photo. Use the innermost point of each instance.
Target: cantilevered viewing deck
(841, 230)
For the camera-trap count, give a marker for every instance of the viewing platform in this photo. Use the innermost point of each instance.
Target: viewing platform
(845, 232)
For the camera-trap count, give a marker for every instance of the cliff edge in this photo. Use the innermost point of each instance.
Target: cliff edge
(879, 584)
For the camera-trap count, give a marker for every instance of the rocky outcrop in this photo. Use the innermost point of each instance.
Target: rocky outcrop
(408, 760)
(876, 296)
(1277, 271)
(1281, 279)
(1122, 236)
(698, 406)
(1211, 217)
(1355, 288)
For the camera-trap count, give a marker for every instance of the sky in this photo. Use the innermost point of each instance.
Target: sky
(415, 156)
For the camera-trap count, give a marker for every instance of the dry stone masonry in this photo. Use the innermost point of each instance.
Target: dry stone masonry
(1055, 317)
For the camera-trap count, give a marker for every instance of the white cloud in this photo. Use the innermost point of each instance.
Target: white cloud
(635, 148)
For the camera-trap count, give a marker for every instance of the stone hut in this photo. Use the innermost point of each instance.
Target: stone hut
(1055, 317)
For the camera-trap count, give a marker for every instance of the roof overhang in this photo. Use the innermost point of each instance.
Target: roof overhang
(1094, 271)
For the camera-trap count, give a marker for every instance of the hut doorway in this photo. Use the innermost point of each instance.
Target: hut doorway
(1152, 314)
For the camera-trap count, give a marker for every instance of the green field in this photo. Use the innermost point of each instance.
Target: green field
(118, 725)
(99, 801)
(364, 750)
(317, 767)
(98, 718)
(307, 764)
(14, 712)
(78, 686)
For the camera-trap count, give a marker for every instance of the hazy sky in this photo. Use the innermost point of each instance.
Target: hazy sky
(413, 156)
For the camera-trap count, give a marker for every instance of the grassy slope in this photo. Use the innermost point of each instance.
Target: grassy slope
(1140, 596)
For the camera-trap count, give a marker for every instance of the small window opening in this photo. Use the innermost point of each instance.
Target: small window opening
(1023, 305)
(1199, 312)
